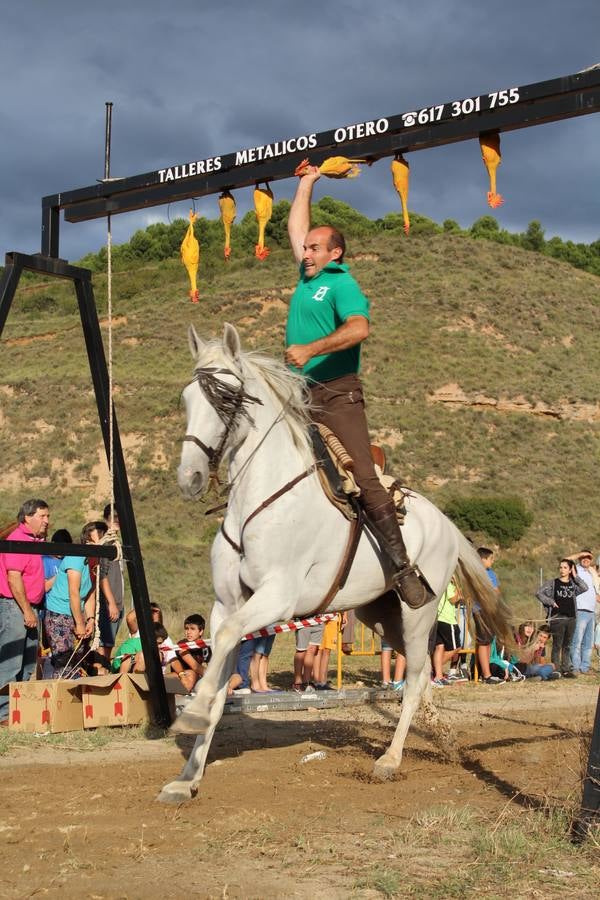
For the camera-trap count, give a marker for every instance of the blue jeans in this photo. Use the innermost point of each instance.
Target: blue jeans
(543, 670)
(18, 649)
(583, 640)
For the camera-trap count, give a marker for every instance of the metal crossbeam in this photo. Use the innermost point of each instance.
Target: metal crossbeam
(444, 123)
(52, 548)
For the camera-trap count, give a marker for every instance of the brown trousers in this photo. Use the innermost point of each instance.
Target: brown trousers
(339, 405)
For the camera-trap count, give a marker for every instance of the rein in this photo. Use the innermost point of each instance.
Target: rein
(283, 490)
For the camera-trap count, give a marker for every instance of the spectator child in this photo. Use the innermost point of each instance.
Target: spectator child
(239, 683)
(130, 657)
(190, 664)
(397, 683)
(530, 658)
(156, 613)
(558, 595)
(132, 623)
(71, 606)
(52, 563)
(483, 636)
(447, 640)
(321, 663)
(308, 641)
(488, 558)
(112, 585)
(260, 665)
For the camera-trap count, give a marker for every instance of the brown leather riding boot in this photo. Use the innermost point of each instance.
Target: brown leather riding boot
(411, 586)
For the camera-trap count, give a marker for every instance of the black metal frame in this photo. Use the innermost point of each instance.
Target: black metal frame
(16, 263)
(545, 101)
(458, 120)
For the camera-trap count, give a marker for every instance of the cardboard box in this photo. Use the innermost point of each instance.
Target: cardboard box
(51, 705)
(122, 699)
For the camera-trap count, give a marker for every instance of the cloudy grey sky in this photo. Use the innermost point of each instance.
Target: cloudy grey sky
(190, 79)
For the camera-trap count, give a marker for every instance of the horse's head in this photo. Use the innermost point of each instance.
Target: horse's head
(215, 403)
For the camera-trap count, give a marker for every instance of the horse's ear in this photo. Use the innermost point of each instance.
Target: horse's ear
(195, 341)
(231, 341)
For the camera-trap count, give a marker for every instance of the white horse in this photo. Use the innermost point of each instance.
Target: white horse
(275, 562)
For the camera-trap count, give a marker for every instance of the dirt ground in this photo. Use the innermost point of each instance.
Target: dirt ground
(78, 823)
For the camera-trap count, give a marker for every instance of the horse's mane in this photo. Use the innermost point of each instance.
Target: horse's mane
(287, 388)
(290, 390)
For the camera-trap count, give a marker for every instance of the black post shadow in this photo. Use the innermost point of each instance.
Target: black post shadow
(589, 815)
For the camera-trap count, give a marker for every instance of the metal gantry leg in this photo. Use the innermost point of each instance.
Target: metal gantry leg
(81, 278)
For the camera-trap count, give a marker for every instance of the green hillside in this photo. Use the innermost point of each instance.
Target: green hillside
(480, 375)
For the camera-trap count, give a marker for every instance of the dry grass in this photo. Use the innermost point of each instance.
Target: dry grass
(444, 309)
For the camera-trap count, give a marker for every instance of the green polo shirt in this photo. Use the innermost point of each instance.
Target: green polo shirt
(319, 305)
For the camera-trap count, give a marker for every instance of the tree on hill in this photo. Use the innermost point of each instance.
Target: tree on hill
(162, 241)
(487, 228)
(505, 519)
(533, 239)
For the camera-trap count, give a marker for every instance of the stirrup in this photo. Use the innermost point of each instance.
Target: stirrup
(426, 596)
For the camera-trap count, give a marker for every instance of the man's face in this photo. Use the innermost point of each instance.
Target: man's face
(38, 522)
(192, 632)
(316, 255)
(488, 561)
(586, 561)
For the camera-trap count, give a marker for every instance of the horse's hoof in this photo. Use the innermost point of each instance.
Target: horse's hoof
(175, 793)
(188, 723)
(383, 770)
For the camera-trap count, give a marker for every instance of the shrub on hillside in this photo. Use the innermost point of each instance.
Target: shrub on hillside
(505, 519)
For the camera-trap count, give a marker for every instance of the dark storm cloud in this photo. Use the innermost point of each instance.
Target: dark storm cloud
(193, 79)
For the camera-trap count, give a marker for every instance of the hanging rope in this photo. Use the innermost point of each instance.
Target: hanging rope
(111, 536)
(95, 637)
(110, 367)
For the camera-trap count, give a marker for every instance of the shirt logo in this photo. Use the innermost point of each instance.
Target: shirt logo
(320, 294)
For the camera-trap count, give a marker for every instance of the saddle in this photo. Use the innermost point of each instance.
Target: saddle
(335, 469)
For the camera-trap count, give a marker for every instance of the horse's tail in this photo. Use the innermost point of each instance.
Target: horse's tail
(478, 589)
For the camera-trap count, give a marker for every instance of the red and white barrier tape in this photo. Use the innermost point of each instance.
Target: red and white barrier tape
(295, 625)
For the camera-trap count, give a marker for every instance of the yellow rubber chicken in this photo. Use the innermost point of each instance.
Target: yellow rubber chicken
(334, 167)
(490, 151)
(190, 256)
(400, 174)
(263, 207)
(228, 213)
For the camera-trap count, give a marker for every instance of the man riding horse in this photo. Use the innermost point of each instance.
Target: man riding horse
(328, 321)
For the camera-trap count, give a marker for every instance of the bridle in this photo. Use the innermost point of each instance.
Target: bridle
(230, 405)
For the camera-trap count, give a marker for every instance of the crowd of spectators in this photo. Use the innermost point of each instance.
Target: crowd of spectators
(570, 619)
(73, 607)
(61, 615)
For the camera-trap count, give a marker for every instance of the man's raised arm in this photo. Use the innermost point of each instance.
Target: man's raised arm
(299, 218)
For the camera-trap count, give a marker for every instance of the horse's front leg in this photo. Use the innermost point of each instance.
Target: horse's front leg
(265, 606)
(417, 624)
(408, 631)
(415, 686)
(185, 786)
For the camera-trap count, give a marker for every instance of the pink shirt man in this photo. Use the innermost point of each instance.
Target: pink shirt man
(31, 568)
